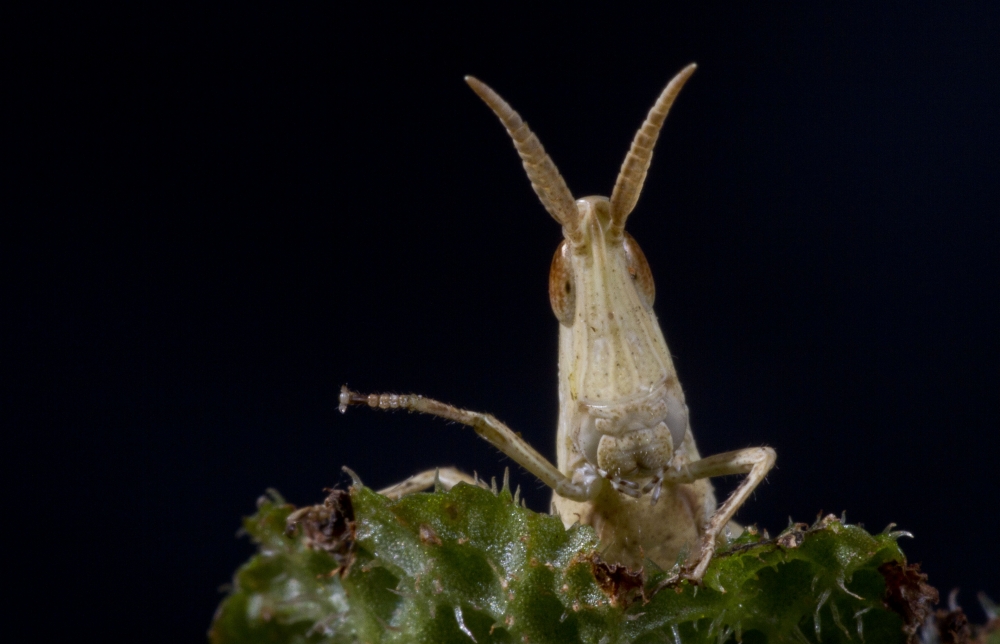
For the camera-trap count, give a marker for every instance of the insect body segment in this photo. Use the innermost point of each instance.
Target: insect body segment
(623, 428)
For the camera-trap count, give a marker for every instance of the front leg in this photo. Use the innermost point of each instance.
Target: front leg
(487, 426)
(755, 462)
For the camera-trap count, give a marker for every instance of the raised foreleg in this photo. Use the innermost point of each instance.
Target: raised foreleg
(487, 426)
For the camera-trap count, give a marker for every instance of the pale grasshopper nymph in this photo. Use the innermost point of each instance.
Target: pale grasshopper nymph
(623, 429)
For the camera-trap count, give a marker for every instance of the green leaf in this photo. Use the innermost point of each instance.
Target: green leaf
(471, 565)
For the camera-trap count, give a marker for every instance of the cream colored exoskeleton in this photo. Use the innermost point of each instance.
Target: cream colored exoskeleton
(627, 461)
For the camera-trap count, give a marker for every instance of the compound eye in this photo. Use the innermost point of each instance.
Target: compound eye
(562, 289)
(639, 271)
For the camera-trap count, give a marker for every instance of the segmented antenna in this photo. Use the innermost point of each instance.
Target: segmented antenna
(633, 172)
(549, 185)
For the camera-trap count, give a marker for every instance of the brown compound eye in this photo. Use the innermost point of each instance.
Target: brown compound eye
(638, 270)
(562, 289)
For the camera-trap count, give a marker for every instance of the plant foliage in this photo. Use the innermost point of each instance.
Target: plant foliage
(471, 564)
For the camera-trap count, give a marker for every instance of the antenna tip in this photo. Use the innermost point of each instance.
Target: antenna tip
(482, 89)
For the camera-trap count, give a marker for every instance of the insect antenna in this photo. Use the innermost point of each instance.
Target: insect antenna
(633, 172)
(549, 185)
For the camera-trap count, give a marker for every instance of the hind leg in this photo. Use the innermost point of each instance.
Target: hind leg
(447, 477)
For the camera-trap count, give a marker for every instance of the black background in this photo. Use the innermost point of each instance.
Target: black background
(250, 207)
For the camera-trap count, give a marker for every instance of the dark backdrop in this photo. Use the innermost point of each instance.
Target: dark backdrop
(251, 207)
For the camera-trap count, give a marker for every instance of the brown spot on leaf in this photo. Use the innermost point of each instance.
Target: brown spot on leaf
(952, 627)
(908, 594)
(793, 536)
(328, 527)
(622, 586)
(428, 536)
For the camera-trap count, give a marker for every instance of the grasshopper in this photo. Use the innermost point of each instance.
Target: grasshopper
(623, 430)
